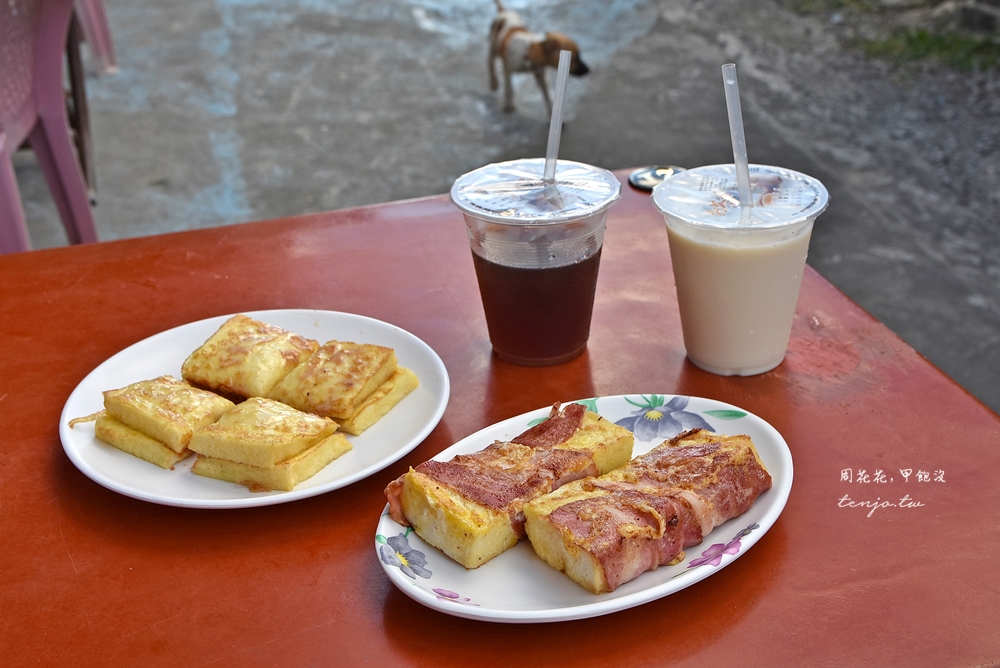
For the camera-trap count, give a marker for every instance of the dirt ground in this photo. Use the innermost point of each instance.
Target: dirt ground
(225, 112)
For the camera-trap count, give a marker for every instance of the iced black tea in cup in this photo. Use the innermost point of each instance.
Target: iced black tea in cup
(536, 247)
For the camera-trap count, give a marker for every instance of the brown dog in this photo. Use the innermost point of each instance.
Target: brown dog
(522, 51)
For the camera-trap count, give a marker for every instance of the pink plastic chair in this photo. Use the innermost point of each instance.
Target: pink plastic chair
(97, 33)
(33, 106)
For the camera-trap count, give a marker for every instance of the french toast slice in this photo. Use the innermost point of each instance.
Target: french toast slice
(603, 532)
(471, 507)
(336, 378)
(135, 443)
(246, 357)
(282, 476)
(374, 407)
(165, 409)
(261, 432)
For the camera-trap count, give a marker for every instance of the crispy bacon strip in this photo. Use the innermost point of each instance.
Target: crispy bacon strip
(558, 428)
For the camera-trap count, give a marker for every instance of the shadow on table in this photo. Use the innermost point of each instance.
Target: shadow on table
(512, 390)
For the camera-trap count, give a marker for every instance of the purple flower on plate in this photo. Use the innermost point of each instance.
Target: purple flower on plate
(658, 418)
(447, 595)
(396, 551)
(713, 555)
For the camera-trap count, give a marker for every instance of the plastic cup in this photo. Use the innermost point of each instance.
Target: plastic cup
(738, 279)
(536, 247)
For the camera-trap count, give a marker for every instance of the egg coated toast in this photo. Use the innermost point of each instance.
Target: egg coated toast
(127, 439)
(246, 357)
(336, 378)
(165, 409)
(263, 442)
(261, 432)
(374, 407)
(283, 475)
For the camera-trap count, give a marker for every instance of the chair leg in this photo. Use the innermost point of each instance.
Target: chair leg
(54, 150)
(78, 111)
(13, 227)
(97, 33)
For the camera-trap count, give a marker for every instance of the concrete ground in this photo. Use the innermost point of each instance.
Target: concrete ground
(226, 111)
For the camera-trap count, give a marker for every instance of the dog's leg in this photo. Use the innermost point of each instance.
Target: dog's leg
(540, 78)
(494, 53)
(491, 66)
(508, 89)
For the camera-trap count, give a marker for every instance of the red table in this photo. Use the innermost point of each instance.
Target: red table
(91, 577)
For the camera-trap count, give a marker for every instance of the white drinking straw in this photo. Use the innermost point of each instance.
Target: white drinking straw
(555, 123)
(739, 139)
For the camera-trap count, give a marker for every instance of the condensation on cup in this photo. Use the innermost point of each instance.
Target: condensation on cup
(536, 248)
(738, 279)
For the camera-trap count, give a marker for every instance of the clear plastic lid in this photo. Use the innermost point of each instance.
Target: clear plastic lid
(709, 196)
(515, 193)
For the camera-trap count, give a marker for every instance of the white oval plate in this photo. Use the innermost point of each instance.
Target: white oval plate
(518, 587)
(401, 430)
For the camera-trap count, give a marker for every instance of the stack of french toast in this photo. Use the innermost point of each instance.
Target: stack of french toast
(570, 486)
(258, 405)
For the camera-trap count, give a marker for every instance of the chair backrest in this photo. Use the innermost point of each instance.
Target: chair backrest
(18, 41)
(33, 36)
(32, 44)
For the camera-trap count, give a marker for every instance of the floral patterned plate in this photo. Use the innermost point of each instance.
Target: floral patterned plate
(518, 587)
(402, 429)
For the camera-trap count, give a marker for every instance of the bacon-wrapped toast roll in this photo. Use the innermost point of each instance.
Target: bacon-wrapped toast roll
(471, 507)
(603, 532)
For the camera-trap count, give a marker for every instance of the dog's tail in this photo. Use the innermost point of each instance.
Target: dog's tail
(499, 5)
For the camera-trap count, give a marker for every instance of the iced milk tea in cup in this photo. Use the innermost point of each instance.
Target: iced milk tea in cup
(738, 269)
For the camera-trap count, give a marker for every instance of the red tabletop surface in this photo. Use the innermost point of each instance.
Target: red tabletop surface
(92, 577)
